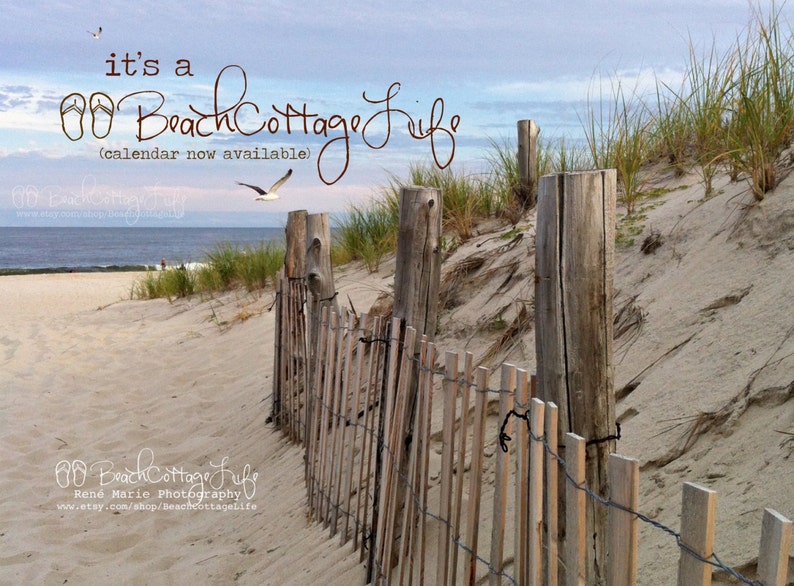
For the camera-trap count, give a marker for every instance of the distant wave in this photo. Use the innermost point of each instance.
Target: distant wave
(62, 250)
(52, 270)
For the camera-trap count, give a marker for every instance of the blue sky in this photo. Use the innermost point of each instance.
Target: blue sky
(490, 63)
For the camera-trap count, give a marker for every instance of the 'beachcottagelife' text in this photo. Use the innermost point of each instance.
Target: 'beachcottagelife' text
(242, 115)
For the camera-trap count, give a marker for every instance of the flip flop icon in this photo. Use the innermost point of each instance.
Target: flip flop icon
(101, 114)
(62, 470)
(72, 108)
(79, 472)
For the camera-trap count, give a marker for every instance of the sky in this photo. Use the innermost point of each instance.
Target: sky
(345, 94)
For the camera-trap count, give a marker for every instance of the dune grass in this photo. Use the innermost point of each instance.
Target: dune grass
(761, 114)
(619, 134)
(225, 267)
(367, 233)
(733, 112)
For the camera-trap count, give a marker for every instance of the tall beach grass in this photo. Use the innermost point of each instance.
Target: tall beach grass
(225, 266)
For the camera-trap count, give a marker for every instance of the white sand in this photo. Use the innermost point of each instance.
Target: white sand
(88, 377)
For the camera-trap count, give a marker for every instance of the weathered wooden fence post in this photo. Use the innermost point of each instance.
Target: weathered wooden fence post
(295, 257)
(527, 163)
(294, 263)
(322, 293)
(319, 275)
(416, 285)
(573, 314)
(418, 274)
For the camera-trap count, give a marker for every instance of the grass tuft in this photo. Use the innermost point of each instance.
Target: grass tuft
(225, 267)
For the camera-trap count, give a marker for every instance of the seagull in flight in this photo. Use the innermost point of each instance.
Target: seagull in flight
(96, 35)
(270, 194)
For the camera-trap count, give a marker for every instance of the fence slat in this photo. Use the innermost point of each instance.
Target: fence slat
(552, 467)
(698, 515)
(336, 408)
(623, 527)
(316, 415)
(575, 507)
(352, 422)
(303, 367)
(459, 471)
(275, 409)
(414, 471)
(775, 545)
(283, 415)
(370, 433)
(395, 446)
(501, 473)
(425, 441)
(385, 429)
(522, 482)
(346, 372)
(473, 518)
(327, 417)
(297, 386)
(290, 361)
(450, 389)
(536, 494)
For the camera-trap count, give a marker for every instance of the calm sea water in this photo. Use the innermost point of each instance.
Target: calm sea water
(83, 249)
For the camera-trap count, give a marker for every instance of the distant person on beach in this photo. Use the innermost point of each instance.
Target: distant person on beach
(162, 264)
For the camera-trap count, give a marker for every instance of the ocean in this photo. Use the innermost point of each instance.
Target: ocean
(49, 249)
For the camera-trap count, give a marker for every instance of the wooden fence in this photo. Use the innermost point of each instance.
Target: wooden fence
(475, 450)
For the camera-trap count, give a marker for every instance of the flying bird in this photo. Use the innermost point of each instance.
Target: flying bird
(270, 194)
(96, 35)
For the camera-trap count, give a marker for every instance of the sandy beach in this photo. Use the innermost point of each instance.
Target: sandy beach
(171, 392)
(102, 393)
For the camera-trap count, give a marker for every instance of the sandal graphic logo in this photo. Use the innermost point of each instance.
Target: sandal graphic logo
(72, 113)
(70, 473)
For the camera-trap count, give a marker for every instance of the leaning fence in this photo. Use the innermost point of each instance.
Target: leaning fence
(478, 451)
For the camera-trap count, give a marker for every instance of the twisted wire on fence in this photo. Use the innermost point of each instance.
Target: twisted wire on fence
(503, 440)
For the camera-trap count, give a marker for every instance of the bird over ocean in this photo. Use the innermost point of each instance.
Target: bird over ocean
(270, 194)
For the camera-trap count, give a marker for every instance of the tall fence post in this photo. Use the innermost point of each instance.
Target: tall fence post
(416, 285)
(573, 314)
(295, 256)
(294, 269)
(527, 163)
(294, 263)
(319, 275)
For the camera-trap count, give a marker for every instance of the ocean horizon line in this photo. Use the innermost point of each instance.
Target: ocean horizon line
(81, 249)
